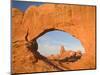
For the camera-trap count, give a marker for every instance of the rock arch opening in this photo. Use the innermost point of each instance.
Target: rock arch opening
(55, 42)
(57, 39)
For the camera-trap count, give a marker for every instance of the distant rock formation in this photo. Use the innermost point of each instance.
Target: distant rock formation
(65, 53)
(62, 50)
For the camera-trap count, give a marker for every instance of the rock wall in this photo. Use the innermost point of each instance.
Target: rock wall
(77, 20)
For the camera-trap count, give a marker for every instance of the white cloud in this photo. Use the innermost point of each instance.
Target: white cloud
(48, 49)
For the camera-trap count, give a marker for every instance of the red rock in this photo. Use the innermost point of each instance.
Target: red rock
(79, 21)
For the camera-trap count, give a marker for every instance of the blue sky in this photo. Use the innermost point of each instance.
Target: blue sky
(51, 42)
(22, 5)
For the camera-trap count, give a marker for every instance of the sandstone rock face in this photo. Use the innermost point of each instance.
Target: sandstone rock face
(77, 20)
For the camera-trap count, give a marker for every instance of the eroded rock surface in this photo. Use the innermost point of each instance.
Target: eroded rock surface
(77, 20)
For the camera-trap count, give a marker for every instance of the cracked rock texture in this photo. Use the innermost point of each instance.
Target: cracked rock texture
(77, 20)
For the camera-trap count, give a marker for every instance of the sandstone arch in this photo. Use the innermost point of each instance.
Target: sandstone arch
(74, 19)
